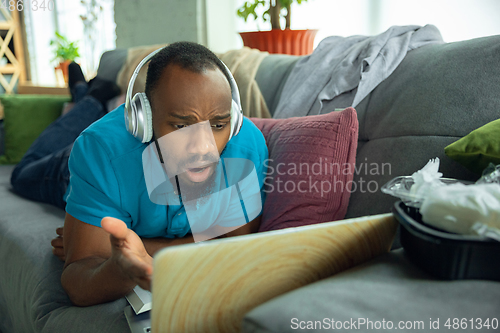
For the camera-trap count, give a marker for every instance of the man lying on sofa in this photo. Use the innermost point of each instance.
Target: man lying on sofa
(112, 226)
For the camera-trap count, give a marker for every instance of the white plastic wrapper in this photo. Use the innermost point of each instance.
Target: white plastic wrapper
(413, 189)
(457, 208)
(426, 179)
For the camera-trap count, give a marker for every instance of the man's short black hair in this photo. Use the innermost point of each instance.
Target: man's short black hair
(191, 56)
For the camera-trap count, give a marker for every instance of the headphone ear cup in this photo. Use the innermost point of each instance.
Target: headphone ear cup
(131, 118)
(236, 119)
(143, 117)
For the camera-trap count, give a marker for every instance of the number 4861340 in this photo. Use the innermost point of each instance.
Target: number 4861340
(19, 5)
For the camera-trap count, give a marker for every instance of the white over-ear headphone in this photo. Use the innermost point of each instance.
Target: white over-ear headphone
(138, 116)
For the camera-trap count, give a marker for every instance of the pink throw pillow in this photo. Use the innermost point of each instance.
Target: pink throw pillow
(310, 168)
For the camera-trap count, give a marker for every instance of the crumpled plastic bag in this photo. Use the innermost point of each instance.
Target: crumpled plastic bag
(458, 208)
(490, 175)
(426, 179)
(449, 204)
(413, 189)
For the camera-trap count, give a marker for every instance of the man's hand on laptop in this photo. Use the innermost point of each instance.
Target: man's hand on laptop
(128, 252)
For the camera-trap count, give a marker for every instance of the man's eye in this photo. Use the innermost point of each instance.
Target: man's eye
(179, 126)
(218, 126)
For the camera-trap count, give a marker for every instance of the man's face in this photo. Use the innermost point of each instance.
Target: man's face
(183, 98)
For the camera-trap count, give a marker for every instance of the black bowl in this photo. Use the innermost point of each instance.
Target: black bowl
(446, 255)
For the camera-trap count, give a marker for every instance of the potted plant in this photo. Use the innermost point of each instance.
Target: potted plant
(277, 40)
(65, 52)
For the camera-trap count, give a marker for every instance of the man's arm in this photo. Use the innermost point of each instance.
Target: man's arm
(249, 228)
(102, 264)
(153, 245)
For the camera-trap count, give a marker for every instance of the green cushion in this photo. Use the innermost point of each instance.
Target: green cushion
(26, 116)
(477, 149)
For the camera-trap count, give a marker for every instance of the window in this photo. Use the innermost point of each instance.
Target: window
(89, 22)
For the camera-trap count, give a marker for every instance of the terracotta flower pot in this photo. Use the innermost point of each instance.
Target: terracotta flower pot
(63, 66)
(295, 42)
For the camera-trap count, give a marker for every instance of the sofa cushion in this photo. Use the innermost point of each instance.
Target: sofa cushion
(310, 168)
(478, 149)
(387, 289)
(26, 116)
(32, 298)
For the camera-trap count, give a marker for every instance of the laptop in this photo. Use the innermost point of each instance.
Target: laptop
(210, 286)
(138, 323)
(138, 312)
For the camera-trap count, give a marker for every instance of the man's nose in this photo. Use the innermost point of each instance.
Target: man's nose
(201, 142)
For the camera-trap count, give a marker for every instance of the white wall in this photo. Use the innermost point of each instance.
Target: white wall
(456, 19)
(159, 21)
(221, 25)
(208, 22)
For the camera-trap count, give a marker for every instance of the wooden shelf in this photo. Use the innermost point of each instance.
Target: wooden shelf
(27, 88)
(8, 69)
(10, 37)
(5, 25)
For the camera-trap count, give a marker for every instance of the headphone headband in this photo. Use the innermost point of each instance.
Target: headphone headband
(131, 83)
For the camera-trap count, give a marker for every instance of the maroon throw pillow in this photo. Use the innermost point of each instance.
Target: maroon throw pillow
(310, 168)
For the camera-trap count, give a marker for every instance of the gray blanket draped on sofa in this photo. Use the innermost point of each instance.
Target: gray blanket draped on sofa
(342, 71)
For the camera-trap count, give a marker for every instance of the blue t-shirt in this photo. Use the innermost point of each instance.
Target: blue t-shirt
(107, 178)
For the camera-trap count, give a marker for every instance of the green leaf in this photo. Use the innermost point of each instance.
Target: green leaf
(249, 7)
(64, 49)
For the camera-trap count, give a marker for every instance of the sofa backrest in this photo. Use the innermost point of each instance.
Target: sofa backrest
(272, 75)
(111, 63)
(438, 94)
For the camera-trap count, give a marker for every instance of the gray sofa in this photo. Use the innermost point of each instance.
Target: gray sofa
(438, 94)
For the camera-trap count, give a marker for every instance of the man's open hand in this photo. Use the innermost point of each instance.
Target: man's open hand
(128, 252)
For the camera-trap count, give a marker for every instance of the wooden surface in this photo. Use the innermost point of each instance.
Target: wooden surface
(29, 88)
(210, 286)
(15, 70)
